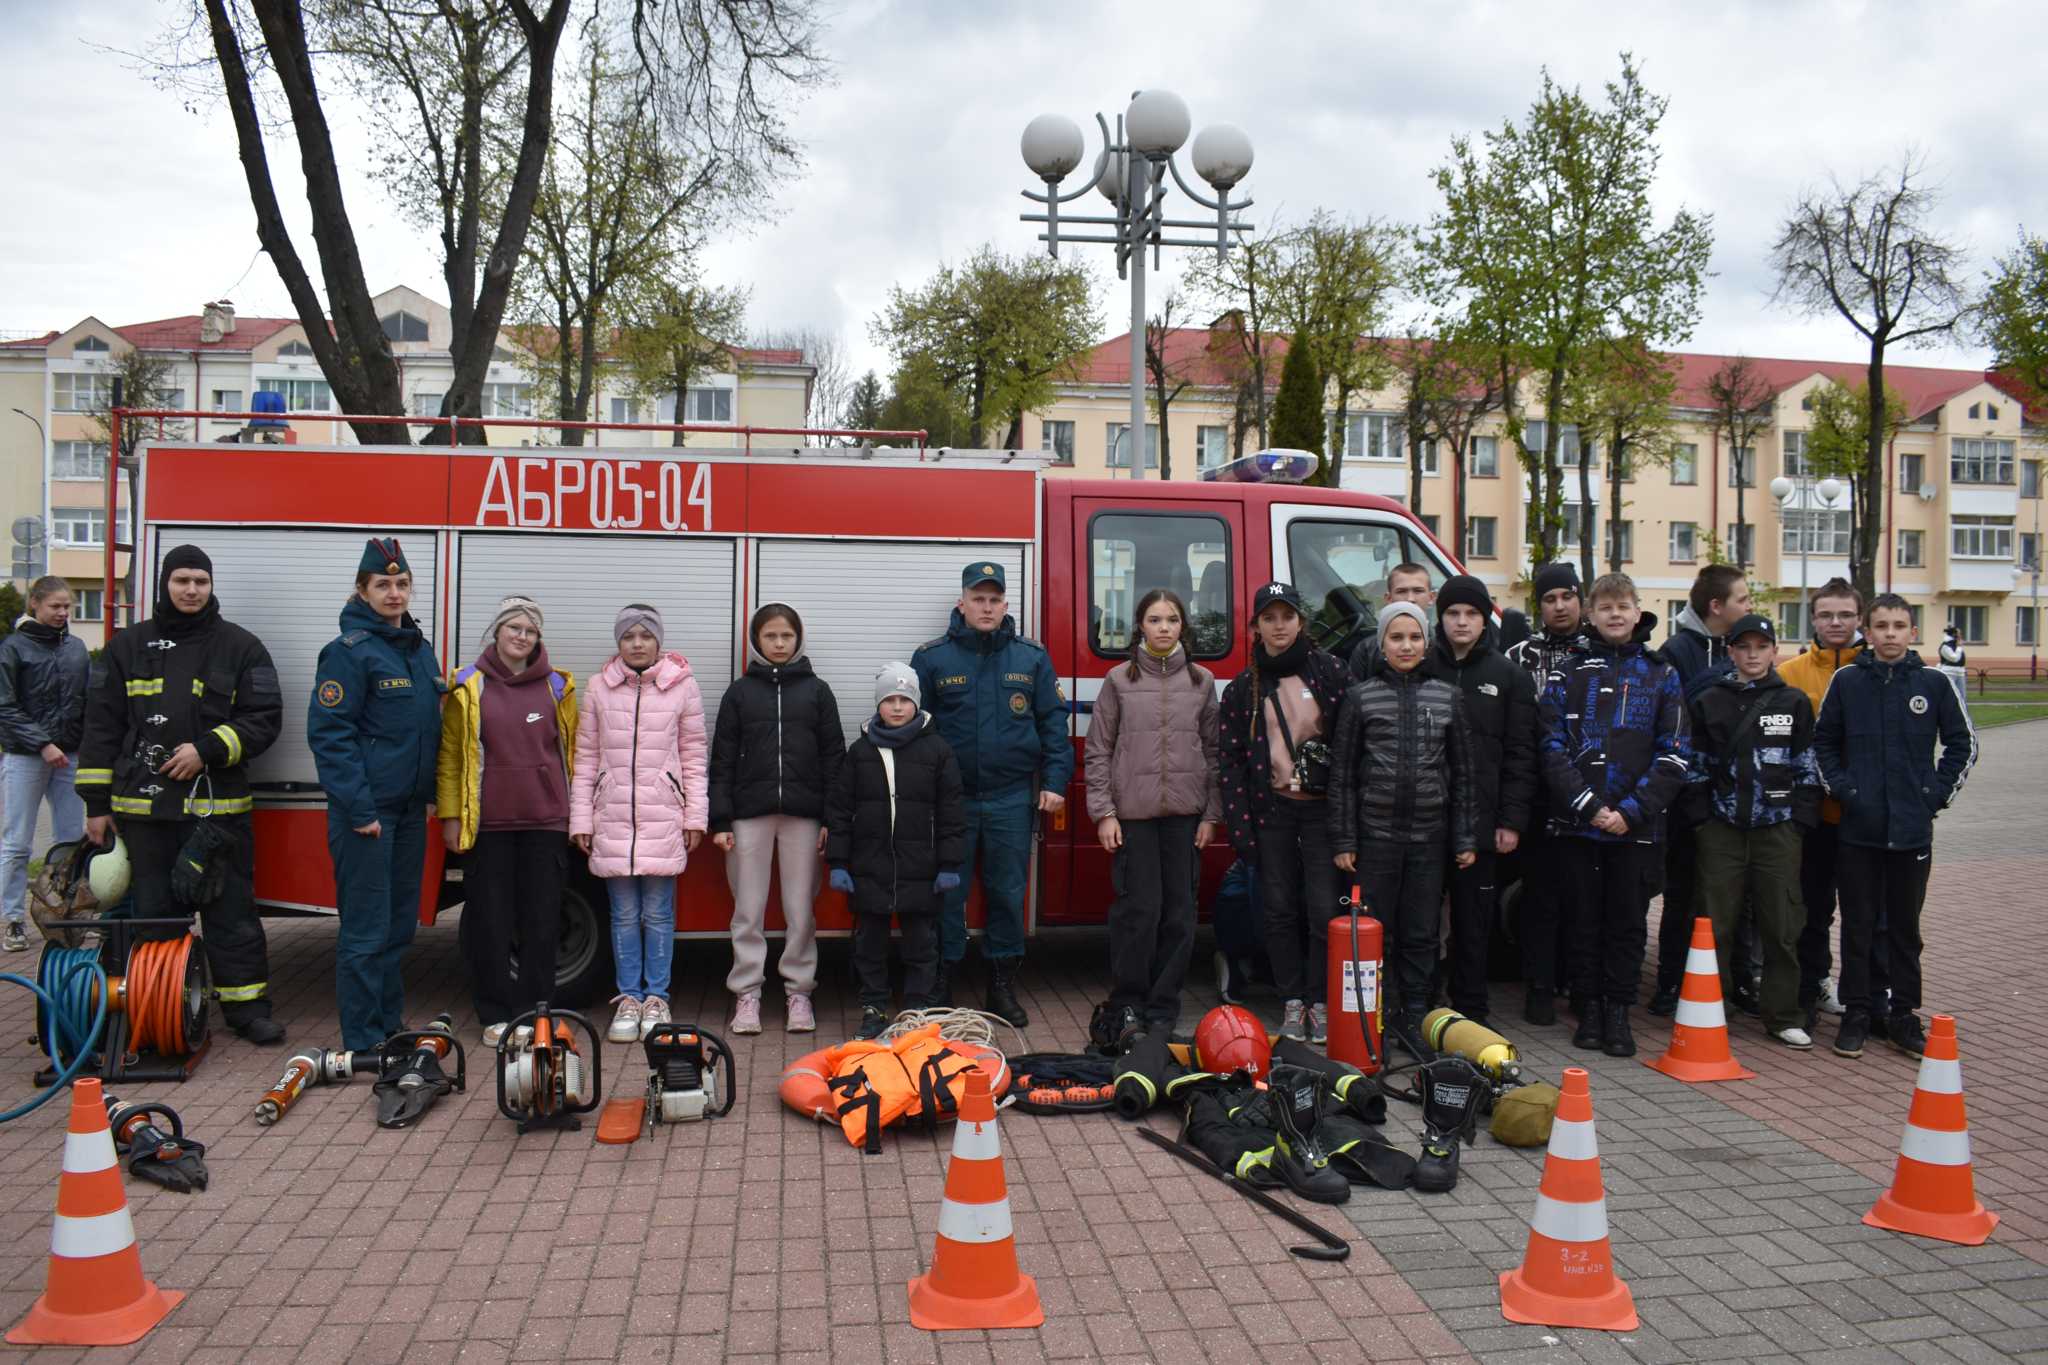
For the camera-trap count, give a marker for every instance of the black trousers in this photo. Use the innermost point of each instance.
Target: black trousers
(1681, 878)
(1474, 896)
(1882, 886)
(1403, 886)
(1607, 888)
(1298, 884)
(512, 885)
(920, 933)
(1542, 911)
(237, 953)
(1152, 923)
(1819, 877)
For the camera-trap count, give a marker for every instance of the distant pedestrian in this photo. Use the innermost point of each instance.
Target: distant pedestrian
(1955, 663)
(43, 676)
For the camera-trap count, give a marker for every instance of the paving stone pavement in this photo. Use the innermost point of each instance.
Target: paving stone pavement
(1734, 1208)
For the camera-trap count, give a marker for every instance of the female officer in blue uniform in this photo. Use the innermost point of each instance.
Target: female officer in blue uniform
(374, 724)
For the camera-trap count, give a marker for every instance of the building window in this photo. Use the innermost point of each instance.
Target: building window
(2024, 625)
(1533, 434)
(83, 526)
(1815, 531)
(501, 356)
(228, 400)
(88, 344)
(1912, 472)
(1571, 450)
(1057, 438)
(1621, 541)
(1980, 537)
(2030, 549)
(513, 400)
(1129, 554)
(1912, 549)
(1991, 411)
(625, 410)
(1685, 463)
(1485, 457)
(1914, 612)
(1430, 520)
(302, 395)
(1428, 451)
(87, 604)
(403, 326)
(1742, 467)
(1796, 464)
(1119, 447)
(1685, 542)
(78, 460)
(294, 350)
(1212, 446)
(1976, 411)
(1970, 623)
(171, 398)
(1672, 607)
(1373, 436)
(1742, 542)
(1481, 537)
(427, 404)
(1580, 520)
(1791, 620)
(1624, 464)
(707, 405)
(1973, 460)
(81, 392)
(2030, 479)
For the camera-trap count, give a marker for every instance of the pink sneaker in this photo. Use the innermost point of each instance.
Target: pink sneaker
(801, 1017)
(746, 1013)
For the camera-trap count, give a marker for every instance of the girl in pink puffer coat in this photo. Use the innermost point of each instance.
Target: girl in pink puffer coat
(639, 806)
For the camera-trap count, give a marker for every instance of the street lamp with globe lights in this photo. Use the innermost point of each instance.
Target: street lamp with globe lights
(1130, 172)
(1803, 489)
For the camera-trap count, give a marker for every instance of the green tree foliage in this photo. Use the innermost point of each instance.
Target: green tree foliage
(864, 405)
(1167, 375)
(921, 400)
(2012, 317)
(1236, 287)
(1839, 439)
(12, 605)
(1548, 240)
(1298, 407)
(1452, 381)
(1869, 254)
(1622, 406)
(997, 330)
(1741, 408)
(675, 333)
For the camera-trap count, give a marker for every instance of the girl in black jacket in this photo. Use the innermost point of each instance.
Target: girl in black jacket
(896, 837)
(774, 757)
(43, 670)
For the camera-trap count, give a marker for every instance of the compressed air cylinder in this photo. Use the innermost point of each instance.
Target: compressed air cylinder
(1448, 1031)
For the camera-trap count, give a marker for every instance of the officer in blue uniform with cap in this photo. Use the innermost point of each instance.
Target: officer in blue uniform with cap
(374, 725)
(998, 704)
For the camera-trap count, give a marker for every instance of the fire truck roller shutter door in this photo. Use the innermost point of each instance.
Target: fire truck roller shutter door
(287, 587)
(866, 602)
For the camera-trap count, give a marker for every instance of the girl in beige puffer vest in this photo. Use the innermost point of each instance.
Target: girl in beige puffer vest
(1152, 791)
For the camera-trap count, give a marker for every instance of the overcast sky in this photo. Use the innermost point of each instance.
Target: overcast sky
(125, 205)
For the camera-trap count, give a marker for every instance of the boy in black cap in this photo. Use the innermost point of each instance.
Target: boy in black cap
(1756, 790)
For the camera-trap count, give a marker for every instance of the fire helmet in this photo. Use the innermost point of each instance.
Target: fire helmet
(1231, 1038)
(109, 874)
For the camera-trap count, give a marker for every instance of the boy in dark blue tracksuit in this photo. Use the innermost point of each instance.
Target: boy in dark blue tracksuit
(1614, 756)
(1879, 724)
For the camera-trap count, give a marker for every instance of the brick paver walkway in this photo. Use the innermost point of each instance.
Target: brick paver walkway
(1734, 1208)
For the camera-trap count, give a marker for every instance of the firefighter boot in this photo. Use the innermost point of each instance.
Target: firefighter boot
(1592, 1030)
(1619, 1041)
(942, 986)
(1002, 992)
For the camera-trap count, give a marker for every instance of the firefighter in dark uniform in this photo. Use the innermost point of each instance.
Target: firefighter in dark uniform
(997, 701)
(184, 700)
(374, 724)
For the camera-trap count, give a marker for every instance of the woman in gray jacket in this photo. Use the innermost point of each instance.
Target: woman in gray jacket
(1151, 769)
(43, 669)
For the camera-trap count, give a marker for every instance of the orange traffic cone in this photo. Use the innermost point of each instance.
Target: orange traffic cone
(1567, 1275)
(95, 1295)
(1699, 1035)
(1933, 1193)
(974, 1281)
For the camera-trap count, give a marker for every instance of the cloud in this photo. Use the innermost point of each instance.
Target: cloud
(130, 208)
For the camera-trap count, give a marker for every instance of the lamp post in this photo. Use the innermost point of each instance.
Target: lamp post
(2032, 569)
(1130, 171)
(1803, 488)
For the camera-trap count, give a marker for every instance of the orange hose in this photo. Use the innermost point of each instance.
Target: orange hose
(156, 995)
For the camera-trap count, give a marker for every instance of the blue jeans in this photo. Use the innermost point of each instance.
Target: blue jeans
(1001, 826)
(27, 782)
(643, 933)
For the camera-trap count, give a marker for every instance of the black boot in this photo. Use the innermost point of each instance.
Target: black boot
(1664, 1003)
(1541, 1006)
(1592, 1030)
(942, 986)
(259, 1029)
(1620, 1042)
(1002, 993)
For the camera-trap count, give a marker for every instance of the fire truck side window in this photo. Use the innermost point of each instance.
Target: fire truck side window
(1341, 568)
(1131, 553)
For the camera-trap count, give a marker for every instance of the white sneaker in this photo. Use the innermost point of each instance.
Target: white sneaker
(802, 1018)
(653, 1012)
(1319, 1023)
(1830, 998)
(1794, 1037)
(626, 1023)
(746, 1013)
(1294, 1020)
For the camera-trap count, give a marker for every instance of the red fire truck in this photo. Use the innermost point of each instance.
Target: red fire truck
(866, 543)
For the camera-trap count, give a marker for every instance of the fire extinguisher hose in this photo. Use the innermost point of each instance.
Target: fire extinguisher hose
(156, 995)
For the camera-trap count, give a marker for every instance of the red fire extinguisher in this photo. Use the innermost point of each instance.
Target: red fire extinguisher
(1356, 953)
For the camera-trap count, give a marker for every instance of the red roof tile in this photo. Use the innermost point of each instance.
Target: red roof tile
(30, 343)
(182, 334)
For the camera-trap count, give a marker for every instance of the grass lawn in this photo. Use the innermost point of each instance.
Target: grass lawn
(1988, 717)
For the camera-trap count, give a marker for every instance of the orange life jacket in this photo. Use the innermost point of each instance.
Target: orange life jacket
(918, 1075)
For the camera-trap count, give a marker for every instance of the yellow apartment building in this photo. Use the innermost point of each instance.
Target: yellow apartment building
(1962, 514)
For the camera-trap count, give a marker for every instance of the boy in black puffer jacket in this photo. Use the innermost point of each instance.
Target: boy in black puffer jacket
(1400, 790)
(896, 837)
